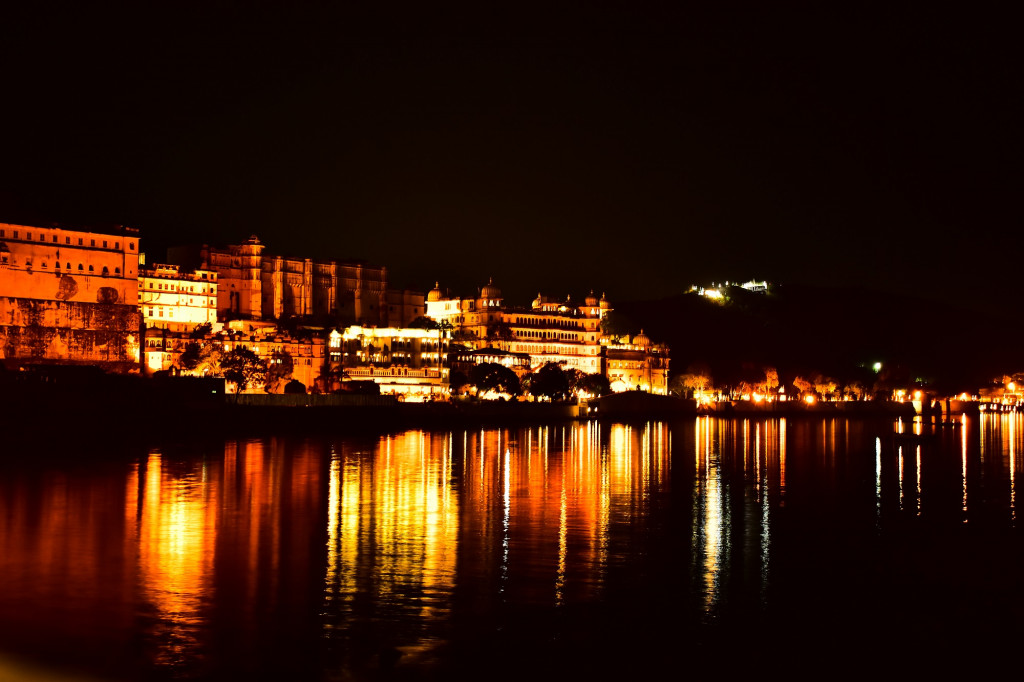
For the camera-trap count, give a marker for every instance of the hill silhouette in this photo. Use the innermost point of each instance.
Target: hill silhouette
(838, 332)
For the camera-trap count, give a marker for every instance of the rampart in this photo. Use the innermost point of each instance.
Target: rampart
(69, 332)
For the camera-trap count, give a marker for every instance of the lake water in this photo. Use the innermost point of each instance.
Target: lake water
(703, 546)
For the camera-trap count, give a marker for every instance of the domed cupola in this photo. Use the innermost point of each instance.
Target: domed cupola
(605, 305)
(641, 340)
(590, 301)
(538, 302)
(435, 294)
(490, 291)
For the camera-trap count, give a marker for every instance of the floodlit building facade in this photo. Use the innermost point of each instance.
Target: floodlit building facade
(170, 298)
(401, 361)
(69, 296)
(636, 364)
(255, 285)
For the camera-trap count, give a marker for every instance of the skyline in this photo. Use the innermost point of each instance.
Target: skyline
(637, 151)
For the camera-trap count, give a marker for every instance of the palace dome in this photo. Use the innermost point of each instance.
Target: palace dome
(605, 305)
(590, 301)
(490, 291)
(435, 294)
(641, 340)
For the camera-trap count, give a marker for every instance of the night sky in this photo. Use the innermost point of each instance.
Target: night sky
(635, 150)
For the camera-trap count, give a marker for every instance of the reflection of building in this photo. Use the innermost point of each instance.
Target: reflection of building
(637, 364)
(256, 285)
(180, 301)
(402, 361)
(69, 296)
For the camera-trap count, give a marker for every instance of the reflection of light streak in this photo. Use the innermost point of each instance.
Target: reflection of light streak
(917, 491)
(900, 461)
(506, 491)
(963, 464)
(878, 480)
(782, 461)
(1013, 464)
(708, 532)
(176, 531)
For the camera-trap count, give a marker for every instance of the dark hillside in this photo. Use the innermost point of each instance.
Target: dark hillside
(839, 332)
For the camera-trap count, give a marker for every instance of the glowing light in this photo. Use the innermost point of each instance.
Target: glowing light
(877, 367)
(809, 399)
(917, 395)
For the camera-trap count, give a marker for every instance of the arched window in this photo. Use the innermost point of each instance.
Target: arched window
(105, 271)
(90, 268)
(117, 271)
(80, 266)
(57, 265)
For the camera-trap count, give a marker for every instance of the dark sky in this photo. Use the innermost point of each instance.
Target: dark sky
(635, 150)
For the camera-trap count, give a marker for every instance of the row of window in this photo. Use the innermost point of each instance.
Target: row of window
(56, 266)
(161, 286)
(67, 240)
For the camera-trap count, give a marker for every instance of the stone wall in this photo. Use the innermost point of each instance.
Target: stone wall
(44, 331)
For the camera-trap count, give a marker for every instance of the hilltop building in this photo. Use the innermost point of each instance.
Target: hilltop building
(255, 285)
(69, 296)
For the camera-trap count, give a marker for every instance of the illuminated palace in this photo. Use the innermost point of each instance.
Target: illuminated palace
(173, 299)
(255, 285)
(69, 296)
(552, 330)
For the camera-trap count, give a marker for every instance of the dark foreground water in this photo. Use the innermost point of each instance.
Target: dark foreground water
(707, 546)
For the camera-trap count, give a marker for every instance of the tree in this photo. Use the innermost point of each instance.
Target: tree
(855, 390)
(490, 377)
(771, 380)
(295, 386)
(201, 358)
(595, 384)
(549, 382)
(803, 385)
(244, 368)
(280, 368)
(201, 330)
(573, 377)
(697, 379)
(825, 386)
(500, 333)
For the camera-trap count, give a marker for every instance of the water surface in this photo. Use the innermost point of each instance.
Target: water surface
(702, 546)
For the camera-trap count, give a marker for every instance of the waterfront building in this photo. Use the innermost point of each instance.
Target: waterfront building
(256, 285)
(636, 364)
(550, 330)
(306, 352)
(405, 361)
(69, 296)
(461, 359)
(170, 298)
